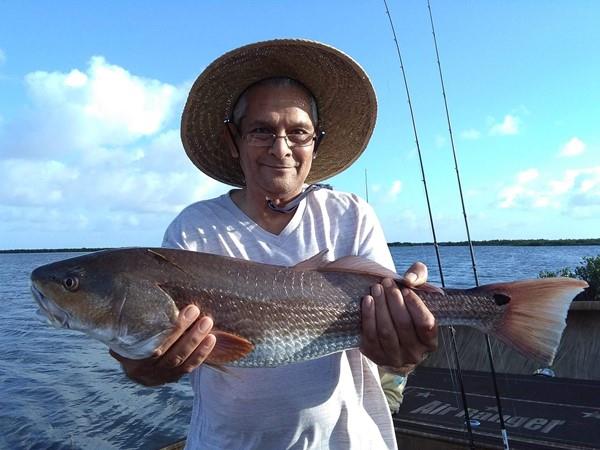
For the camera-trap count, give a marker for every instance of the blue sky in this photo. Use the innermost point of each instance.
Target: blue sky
(91, 95)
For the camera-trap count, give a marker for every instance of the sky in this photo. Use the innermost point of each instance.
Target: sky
(91, 95)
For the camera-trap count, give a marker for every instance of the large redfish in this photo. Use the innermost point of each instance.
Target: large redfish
(265, 315)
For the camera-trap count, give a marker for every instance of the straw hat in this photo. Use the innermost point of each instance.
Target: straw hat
(346, 103)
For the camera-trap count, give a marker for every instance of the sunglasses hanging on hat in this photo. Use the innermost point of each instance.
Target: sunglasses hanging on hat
(292, 205)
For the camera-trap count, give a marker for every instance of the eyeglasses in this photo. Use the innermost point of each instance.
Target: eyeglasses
(263, 139)
(268, 139)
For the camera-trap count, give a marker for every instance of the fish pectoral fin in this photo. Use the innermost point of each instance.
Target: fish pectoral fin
(228, 348)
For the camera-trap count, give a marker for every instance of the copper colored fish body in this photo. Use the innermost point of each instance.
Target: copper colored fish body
(267, 316)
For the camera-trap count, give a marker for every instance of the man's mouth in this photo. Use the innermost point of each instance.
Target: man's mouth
(279, 167)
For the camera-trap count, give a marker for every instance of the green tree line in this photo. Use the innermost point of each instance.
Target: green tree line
(506, 242)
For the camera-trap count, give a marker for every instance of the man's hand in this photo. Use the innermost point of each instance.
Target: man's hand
(398, 329)
(182, 351)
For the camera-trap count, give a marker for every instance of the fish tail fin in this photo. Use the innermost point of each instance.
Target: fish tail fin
(535, 314)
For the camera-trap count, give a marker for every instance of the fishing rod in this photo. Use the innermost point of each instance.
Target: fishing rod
(471, 251)
(435, 242)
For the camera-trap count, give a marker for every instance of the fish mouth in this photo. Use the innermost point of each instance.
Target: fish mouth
(49, 311)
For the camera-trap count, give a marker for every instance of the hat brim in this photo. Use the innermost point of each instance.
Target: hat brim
(346, 103)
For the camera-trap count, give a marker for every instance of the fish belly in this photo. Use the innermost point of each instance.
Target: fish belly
(276, 350)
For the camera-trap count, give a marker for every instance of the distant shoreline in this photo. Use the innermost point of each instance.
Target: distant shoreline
(54, 250)
(493, 242)
(506, 242)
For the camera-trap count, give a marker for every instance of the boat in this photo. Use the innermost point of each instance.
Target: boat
(555, 407)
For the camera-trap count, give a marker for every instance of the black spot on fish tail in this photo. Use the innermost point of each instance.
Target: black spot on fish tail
(501, 299)
(162, 258)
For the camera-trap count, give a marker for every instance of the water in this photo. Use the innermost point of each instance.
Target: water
(61, 390)
(501, 263)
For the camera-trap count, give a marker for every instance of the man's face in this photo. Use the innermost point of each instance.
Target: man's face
(278, 172)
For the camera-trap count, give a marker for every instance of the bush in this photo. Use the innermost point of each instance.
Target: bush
(564, 272)
(588, 271)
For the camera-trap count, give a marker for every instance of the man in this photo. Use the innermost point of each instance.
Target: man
(270, 117)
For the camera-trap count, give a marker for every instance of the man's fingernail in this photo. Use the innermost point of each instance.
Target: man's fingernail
(377, 290)
(411, 277)
(205, 325)
(368, 302)
(388, 283)
(191, 313)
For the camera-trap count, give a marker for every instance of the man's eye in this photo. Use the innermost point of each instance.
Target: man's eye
(298, 131)
(260, 130)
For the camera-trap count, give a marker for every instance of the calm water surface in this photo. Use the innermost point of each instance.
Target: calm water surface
(61, 390)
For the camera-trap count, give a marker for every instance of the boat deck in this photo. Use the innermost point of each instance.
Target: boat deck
(539, 412)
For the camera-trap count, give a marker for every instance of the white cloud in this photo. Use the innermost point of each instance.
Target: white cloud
(34, 182)
(76, 79)
(523, 192)
(575, 192)
(395, 189)
(96, 147)
(470, 134)
(509, 195)
(527, 175)
(510, 125)
(103, 106)
(559, 187)
(2, 56)
(542, 202)
(573, 147)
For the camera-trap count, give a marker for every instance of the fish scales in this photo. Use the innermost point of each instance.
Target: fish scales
(284, 322)
(464, 307)
(304, 325)
(265, 315)
(296, 326)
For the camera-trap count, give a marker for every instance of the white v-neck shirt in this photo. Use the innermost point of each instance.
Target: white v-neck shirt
(334, 402)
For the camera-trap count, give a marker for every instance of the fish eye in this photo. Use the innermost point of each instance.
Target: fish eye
(71, 283)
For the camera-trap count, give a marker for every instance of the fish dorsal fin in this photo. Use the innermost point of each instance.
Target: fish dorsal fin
(164, 259)
(362, 265)
(314, 262)
(359, 264)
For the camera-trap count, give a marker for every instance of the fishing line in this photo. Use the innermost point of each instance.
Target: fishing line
(464, 211)
(453, 378)
(435, 243)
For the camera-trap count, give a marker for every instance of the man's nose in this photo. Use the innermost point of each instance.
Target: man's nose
(280, 147)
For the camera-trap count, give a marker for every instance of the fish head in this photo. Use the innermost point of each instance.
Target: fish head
(107, 296)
